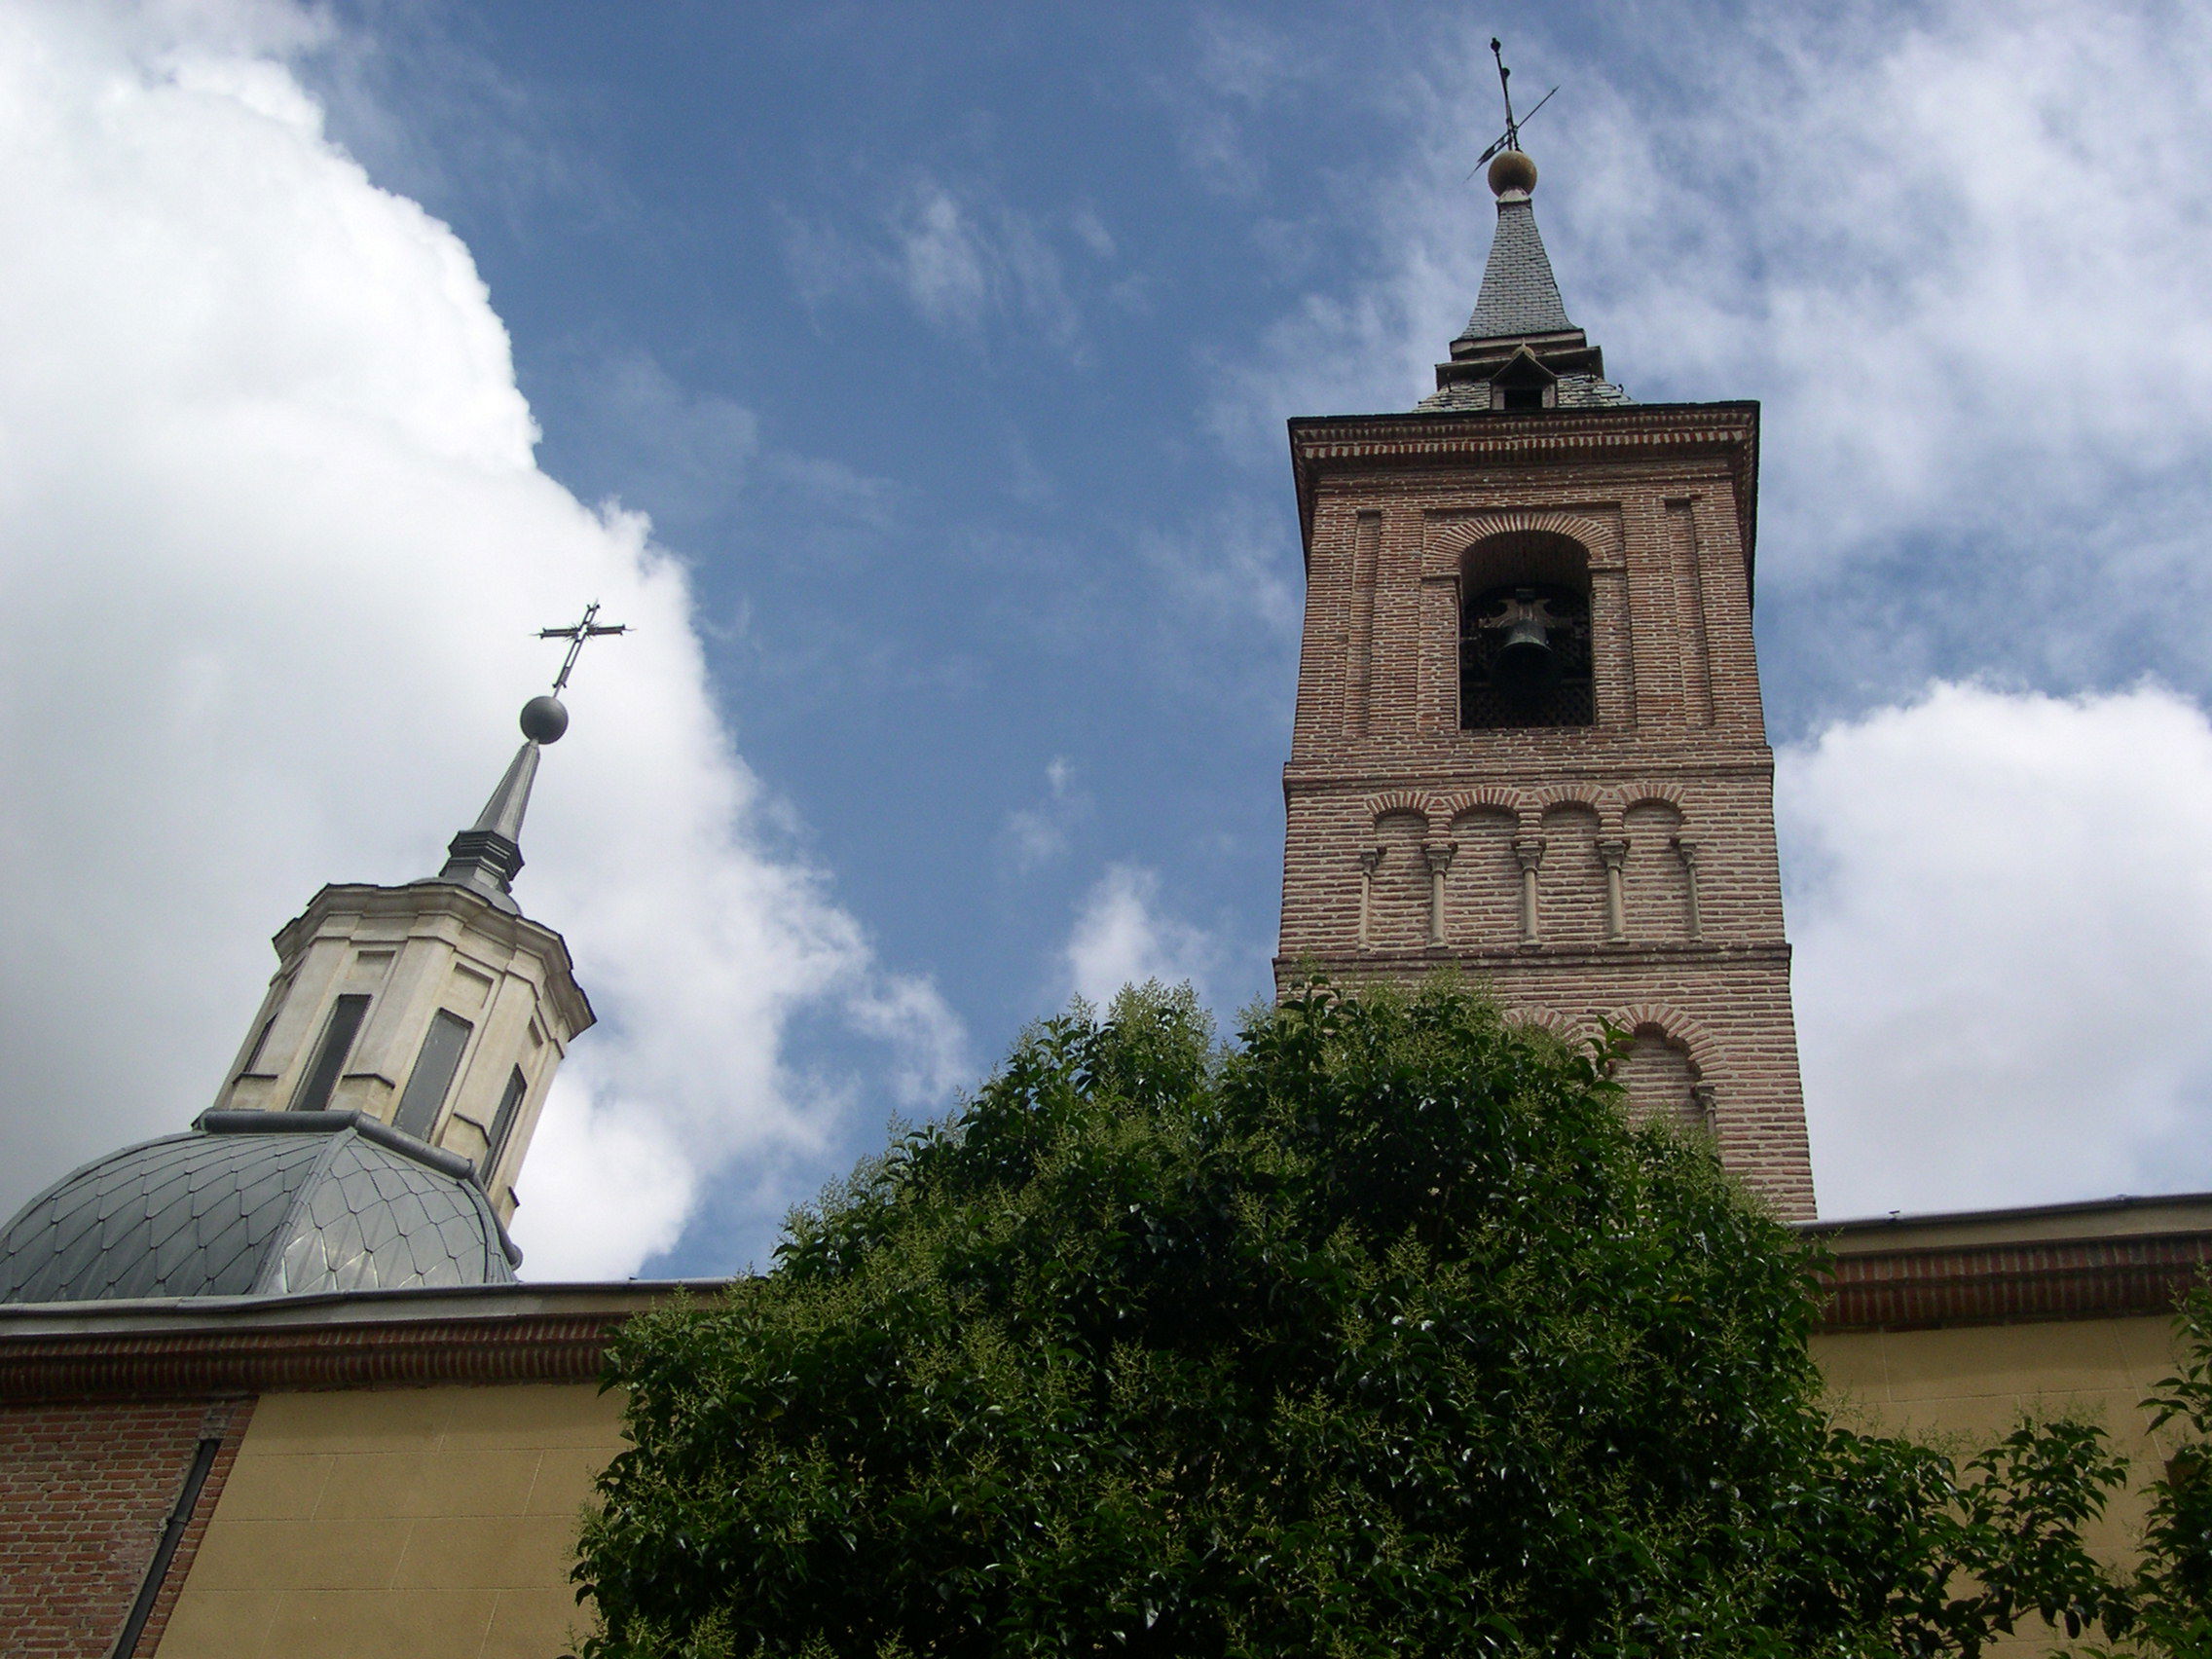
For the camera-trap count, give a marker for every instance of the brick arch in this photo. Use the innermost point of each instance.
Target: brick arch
(1573, 1027)
(1624, 796)
(1416, 801)
(1671, 1024)
(1591, 533)
(1537, 803)
(1449, 807)
(1617, 802)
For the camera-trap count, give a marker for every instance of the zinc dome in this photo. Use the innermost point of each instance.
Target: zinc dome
(258, 1204)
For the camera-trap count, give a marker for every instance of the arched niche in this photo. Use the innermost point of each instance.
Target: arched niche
(1657, 879)
(1399, 898)
(1661, 1080)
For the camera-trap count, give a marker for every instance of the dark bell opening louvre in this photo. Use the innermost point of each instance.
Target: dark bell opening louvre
(1524, 659)
(344, 1024)
(1524, 397)
(432, 1076)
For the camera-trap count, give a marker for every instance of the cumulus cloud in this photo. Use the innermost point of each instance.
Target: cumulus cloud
(276, 546)
(2002, 906)
(1123, 936)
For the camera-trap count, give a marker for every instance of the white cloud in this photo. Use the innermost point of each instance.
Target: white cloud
(1236, 568)
(1121, 936)
(2002, 906)
(960, 255)
(275, 546)
(1039, 832)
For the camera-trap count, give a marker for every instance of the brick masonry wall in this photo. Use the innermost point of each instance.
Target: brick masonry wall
(85, 1489)
(1672, 784)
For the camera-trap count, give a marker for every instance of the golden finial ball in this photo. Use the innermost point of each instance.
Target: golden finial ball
(1511, 169)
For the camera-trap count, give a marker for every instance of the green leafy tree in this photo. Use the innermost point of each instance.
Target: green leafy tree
(1380, 1331)
(2171, 1597)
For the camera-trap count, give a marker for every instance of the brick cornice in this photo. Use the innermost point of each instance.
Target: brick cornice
(461, 1350)
(1756, 763)
(1547, 438)
(1408, 966)
(362, 1340)
(1917, 1287)
(2013, 1283)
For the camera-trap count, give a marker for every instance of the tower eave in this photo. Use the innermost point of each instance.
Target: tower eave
(434, 897)
(1320, 444)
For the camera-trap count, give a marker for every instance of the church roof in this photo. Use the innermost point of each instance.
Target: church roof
(1519, 294)
(257, 1204)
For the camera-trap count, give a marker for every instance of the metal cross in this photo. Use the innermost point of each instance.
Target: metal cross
(1510, 139)
(577, 635)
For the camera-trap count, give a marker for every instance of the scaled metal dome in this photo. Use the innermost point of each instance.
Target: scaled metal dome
(258, 1204)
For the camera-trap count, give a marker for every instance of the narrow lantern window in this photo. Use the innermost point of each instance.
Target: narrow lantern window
(503, 1124)
(440, 1059)
(344, 1024)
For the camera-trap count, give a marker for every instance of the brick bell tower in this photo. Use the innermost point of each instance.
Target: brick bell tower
(1528, 740)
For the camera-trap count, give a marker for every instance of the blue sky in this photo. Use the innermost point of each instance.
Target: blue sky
(914, 376)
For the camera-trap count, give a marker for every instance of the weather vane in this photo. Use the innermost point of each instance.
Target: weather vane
(1510, 139)
(576, 634)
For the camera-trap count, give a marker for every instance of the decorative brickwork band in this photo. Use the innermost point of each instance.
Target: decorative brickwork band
(1529, 852)
(1615, 854)
(1370, 861)
(2089, 1279)
(1437, 856)
(560, 1348)
(1687, 852)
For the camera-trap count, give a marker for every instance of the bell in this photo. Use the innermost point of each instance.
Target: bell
(1526, 663)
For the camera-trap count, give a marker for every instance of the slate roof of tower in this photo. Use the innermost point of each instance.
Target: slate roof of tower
(295, 1208)
(1518, 293)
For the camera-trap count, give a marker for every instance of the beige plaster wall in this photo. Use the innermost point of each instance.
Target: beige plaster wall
(1968, 1386)
(434, 1523)
(440, 1523)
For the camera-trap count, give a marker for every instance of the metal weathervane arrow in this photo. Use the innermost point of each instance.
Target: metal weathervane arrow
(1510, 139)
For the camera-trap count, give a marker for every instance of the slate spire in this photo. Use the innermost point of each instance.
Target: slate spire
(1520, 351)
(1520, 295)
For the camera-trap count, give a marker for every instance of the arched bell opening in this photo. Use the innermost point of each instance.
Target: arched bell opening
(1525, 647)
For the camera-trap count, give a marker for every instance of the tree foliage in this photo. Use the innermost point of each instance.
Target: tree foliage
(1380, 1331)
(2170, 1598)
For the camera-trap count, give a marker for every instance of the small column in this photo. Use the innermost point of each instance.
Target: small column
(1530, 850)
(1687, 852)
(1614, 855)
(1437, 855)
(1370, 859)
(1703, 1103)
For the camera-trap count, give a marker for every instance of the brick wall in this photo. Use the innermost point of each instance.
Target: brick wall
(85, 1490)
(1648, 836)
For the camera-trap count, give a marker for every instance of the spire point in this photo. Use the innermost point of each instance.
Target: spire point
(486, 856)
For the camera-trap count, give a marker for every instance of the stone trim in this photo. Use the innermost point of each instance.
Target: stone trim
(2015, 1284)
